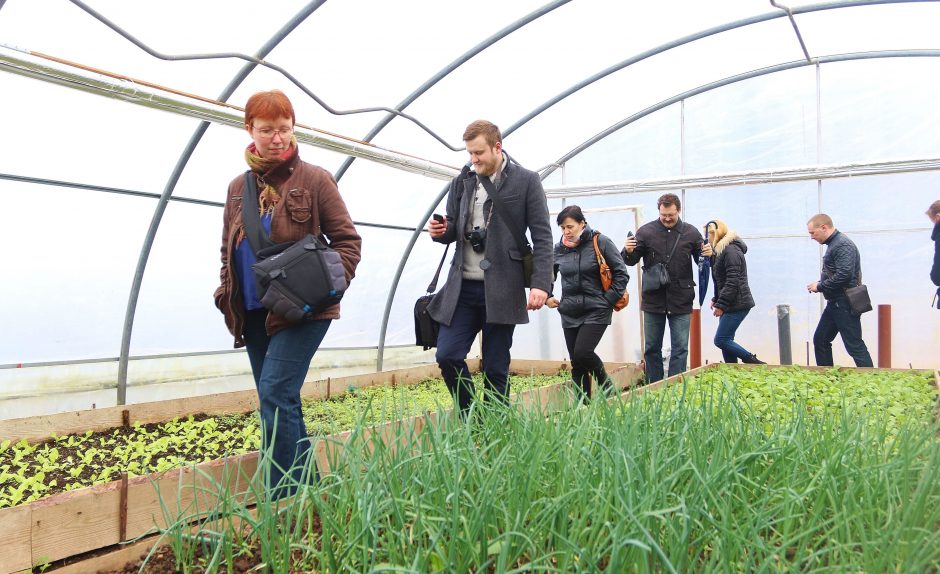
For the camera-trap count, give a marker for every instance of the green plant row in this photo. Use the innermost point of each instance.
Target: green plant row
(770, 393)
(693, 478)
(30, 472)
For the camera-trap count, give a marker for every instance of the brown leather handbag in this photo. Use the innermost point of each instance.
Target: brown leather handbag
(607, 277)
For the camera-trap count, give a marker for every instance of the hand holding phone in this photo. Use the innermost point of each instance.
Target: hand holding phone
(438, 225)
(630, 244)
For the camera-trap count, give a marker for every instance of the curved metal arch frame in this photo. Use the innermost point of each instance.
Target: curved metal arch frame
(643, 113)
(694, 37)
(446, 70)
(873, 55)
(170, 186)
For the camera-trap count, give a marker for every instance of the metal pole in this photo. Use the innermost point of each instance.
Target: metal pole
(884, 336)
(783, 334)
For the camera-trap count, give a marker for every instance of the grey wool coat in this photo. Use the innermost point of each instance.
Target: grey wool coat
(522, 194)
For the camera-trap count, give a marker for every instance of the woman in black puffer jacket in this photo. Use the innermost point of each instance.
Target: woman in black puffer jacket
(732, 301)
(585, 308)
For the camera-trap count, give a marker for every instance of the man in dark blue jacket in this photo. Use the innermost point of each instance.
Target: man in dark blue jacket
(841, 269)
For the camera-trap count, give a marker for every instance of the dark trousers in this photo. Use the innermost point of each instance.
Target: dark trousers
(581, 342)
(837, 320)
(279, 364)
(728, 325)
(454, 341)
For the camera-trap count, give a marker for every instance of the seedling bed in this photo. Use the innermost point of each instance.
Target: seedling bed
(72, 522)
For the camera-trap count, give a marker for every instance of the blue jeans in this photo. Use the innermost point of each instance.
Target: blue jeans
(728, 325)
(279, 364)
(654, 326)
(454, 341)
(837, 320)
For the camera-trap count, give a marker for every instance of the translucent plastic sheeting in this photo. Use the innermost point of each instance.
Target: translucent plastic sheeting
(73, 259)
(79, 137)
(176, 311)
(883, 203)
(375, 193)
(876, 27)
(880, 109)
(646, 149)
(768, 121)
(644, 84)
(62, 29)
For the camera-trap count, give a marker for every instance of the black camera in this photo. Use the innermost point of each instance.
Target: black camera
(477, 239)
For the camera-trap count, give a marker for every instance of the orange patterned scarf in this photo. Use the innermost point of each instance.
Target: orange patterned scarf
(269, 197)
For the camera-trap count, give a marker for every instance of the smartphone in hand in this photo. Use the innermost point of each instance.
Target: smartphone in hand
(438, 218)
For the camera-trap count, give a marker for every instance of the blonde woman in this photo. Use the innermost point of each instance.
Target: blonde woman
(733, 300)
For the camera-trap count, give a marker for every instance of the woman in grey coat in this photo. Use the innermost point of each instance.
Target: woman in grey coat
(585, 307)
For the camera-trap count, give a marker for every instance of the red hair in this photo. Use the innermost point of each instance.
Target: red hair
(268, 106)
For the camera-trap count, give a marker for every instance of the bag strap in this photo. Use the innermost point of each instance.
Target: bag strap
(597, 251)
(674, 245)
(521, 242)
(251, 218)
(601, 262)
(432, 286)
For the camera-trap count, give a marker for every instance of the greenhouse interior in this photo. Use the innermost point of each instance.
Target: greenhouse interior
(758, 114)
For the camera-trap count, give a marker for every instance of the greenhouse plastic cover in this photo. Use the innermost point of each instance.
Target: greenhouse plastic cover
(73, 250)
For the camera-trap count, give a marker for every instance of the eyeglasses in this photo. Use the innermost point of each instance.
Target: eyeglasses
(268, 133)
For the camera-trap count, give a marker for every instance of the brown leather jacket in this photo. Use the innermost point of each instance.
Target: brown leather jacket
(310, 203)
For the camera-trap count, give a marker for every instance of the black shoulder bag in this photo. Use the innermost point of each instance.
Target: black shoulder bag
(295, 279)
(857, 296)
(426, 327)
(859, 301)
(525, 250)
(656, 276)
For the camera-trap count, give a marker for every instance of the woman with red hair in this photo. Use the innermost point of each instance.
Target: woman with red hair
(294, 198)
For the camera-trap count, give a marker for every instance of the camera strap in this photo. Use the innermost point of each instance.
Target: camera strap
(500, 207)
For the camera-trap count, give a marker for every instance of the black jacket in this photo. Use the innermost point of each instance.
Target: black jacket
(583, 301)
(654, 242)
(935, 270)
(842, 266)
(729, 272)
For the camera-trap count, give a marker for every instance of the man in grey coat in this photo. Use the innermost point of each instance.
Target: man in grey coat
(841, 269)
(485, 287)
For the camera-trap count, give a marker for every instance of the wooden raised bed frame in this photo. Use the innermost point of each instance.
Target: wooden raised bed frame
(71, 523)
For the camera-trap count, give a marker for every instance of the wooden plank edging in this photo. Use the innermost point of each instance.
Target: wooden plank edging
(70, 523)
(16, 550)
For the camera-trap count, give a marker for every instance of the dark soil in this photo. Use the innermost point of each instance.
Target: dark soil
(104, 441)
